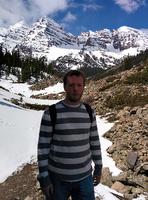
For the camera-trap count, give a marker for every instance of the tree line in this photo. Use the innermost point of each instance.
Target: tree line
(131, 61)
(127, 63)
(24, 68)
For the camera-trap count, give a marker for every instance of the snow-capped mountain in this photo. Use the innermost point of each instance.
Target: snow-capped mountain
(47, 38)
(127, 37)
(14, 35)
(46, 33)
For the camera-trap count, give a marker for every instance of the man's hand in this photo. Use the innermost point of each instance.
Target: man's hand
(96, 180)
(47, 190)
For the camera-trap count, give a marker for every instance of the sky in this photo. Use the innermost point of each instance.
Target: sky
(78, 16)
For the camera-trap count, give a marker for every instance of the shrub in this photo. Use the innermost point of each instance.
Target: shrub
(15, 101)
(109, 85)
(139, 77)
(35, 106)
(111, 78)
(126, 99)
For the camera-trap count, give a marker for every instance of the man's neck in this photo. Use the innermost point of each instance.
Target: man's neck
(71, 103)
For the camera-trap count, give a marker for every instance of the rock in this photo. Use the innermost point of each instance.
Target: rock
(133, 111)
(137, 191)
(121, 177)
(28, 198)
(111, 149)
(139, 180)
(119, 187)
(121, 166)
(131, 159)
(106, 178)
(129, 196)
(123, 114)
(143, 168)
(97, 198)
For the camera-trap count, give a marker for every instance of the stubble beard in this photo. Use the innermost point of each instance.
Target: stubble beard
(74, 99)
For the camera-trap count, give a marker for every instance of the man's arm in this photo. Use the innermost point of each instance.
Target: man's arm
(96, 151)
(44, 142)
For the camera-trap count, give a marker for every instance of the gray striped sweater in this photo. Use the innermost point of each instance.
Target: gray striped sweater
(68, 152)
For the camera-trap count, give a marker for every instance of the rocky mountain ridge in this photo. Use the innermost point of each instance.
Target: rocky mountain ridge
(108, 46)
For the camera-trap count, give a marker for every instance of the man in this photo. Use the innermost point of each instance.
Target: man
(65, 156)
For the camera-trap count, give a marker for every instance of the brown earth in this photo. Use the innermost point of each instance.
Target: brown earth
(21, 185)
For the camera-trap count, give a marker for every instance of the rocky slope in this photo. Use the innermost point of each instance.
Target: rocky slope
(127, 105)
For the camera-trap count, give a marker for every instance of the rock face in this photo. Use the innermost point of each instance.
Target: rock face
(44, 34)
(13, 36)
(126, 37)
(122, 38)
(39, 36)
(98, 39)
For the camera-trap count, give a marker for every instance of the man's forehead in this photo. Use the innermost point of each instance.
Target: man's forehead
(75, 77)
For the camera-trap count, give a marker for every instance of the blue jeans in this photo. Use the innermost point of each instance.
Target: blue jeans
(80, 190)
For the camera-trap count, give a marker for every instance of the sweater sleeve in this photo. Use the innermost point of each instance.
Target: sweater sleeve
(44, 143)
(95, 147)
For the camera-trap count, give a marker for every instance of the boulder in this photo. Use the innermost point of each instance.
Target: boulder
(106, 178)
(131, 159)
(119, 187)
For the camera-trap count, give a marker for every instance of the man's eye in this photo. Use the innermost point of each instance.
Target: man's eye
(75, 85)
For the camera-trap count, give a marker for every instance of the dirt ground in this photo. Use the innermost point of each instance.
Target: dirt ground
(22, 185)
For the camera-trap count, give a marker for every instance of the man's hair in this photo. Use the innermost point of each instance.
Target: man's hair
(73, 73)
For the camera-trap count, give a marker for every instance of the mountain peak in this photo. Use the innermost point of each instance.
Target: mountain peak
(18, 25)
(125, 28)
(48, 22)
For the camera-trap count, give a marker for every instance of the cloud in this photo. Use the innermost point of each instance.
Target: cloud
(69, 17)
(66, 21)
(29, 11)
(86, 6)
(130, 5)
(91, 7)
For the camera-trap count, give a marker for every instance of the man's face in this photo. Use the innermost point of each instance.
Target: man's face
(74, 88)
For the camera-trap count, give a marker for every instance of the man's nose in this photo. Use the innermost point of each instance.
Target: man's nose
(75, 88)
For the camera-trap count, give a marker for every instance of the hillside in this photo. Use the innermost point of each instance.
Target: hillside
(122, 98)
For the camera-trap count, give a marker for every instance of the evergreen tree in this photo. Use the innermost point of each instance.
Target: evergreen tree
(26, 71)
